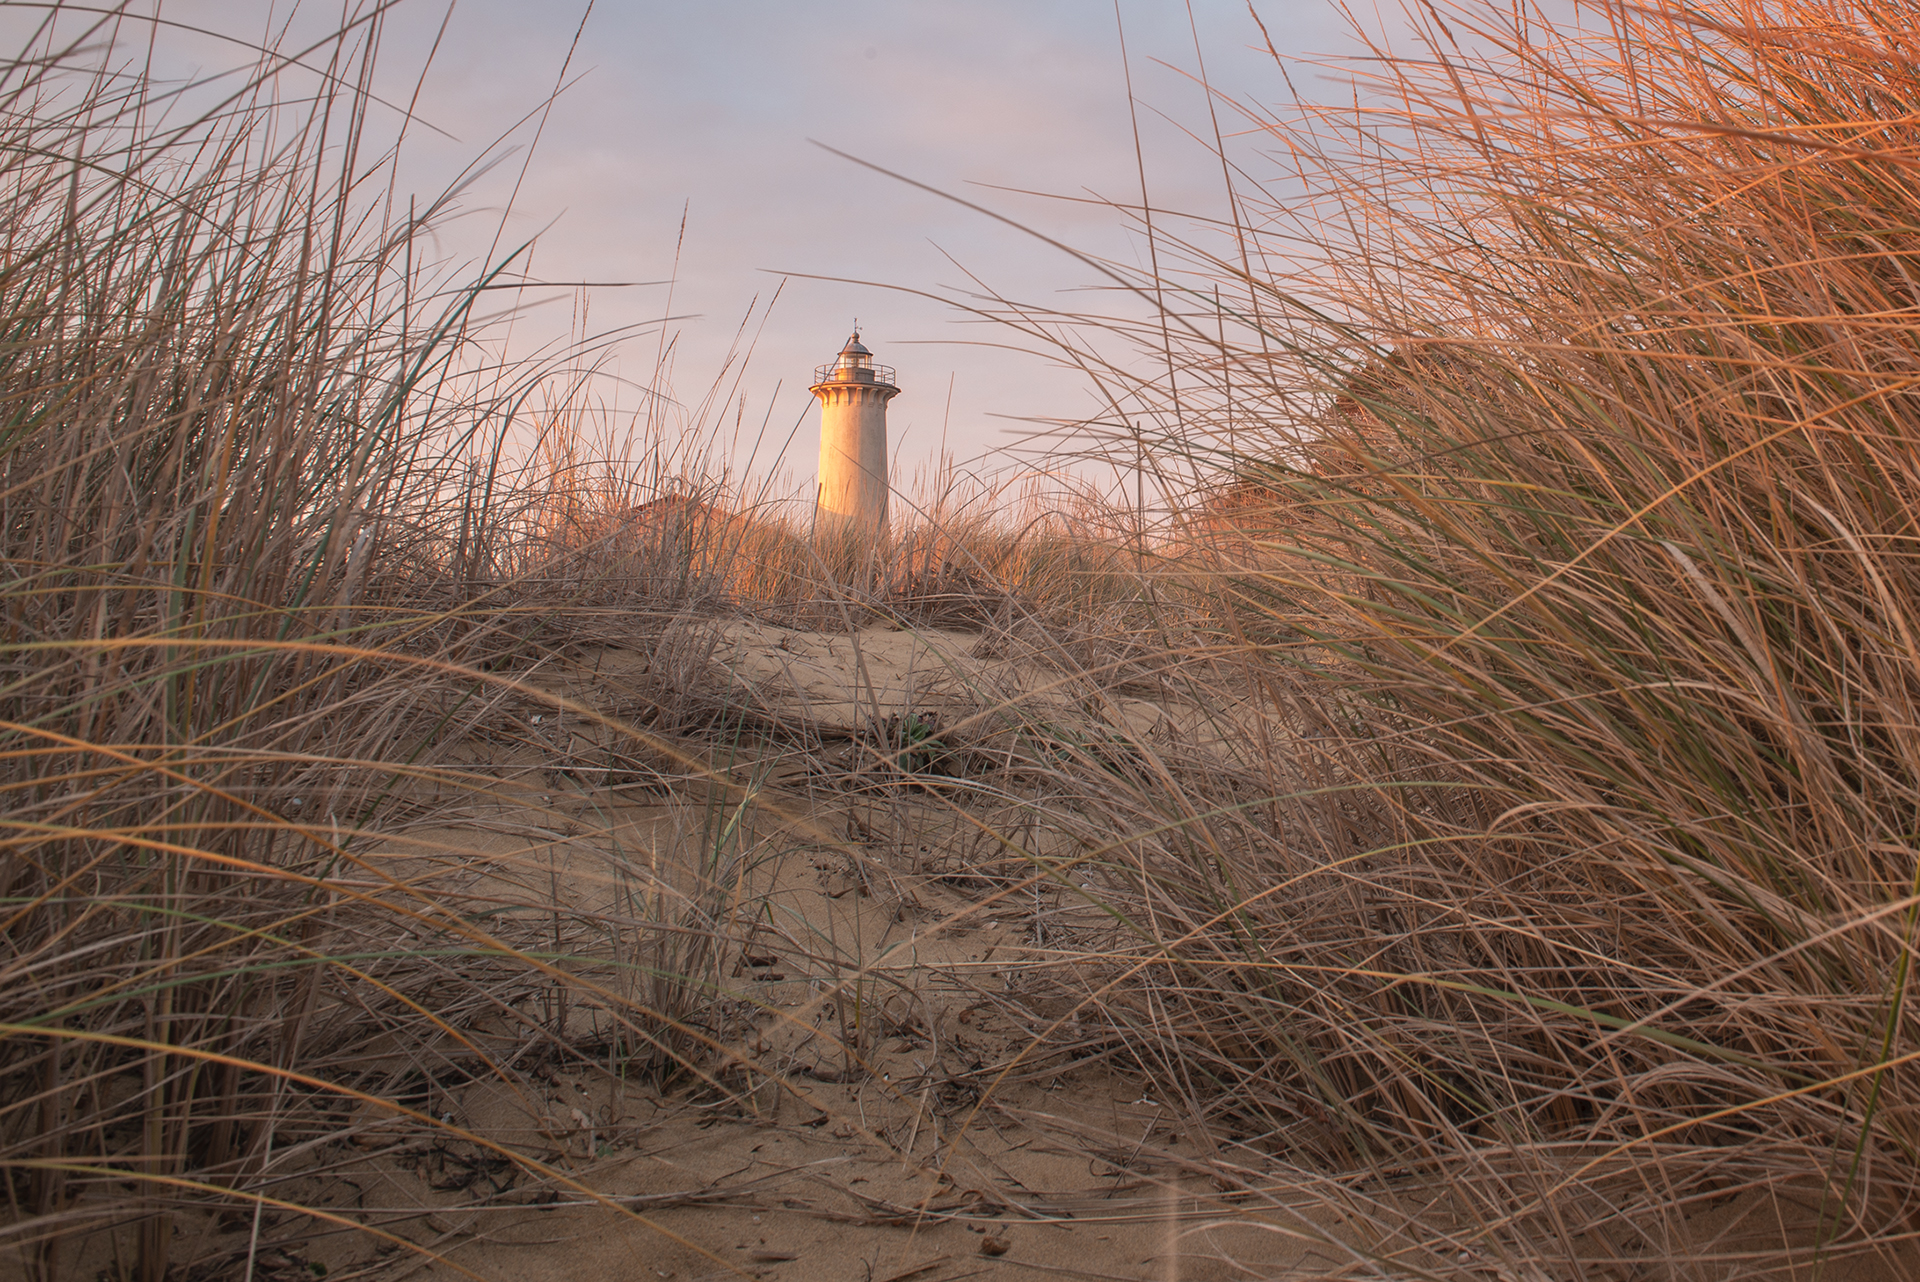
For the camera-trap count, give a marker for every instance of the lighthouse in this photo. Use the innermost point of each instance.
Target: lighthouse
(853, 394)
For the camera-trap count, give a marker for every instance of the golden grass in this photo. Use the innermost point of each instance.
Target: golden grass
(1532, 813)
(1592, 888)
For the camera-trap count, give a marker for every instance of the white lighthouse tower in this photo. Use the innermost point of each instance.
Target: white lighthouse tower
(853, 394)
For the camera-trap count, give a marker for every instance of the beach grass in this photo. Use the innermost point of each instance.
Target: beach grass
(1518, 865)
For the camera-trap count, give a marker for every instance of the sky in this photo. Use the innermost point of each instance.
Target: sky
(685, 147)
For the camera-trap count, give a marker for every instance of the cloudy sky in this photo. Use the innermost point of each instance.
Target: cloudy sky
(712, 110)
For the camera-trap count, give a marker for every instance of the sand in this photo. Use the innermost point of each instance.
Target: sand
(875, 1104)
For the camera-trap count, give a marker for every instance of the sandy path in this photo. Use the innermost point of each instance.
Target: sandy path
(876, 1107)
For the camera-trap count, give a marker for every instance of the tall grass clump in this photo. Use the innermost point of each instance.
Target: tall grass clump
(248, 598)
(1571, 540)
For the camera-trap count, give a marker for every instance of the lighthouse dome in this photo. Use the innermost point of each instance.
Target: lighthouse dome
(855, 364)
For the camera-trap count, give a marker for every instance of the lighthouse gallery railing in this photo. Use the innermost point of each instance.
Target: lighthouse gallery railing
(838, 373)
